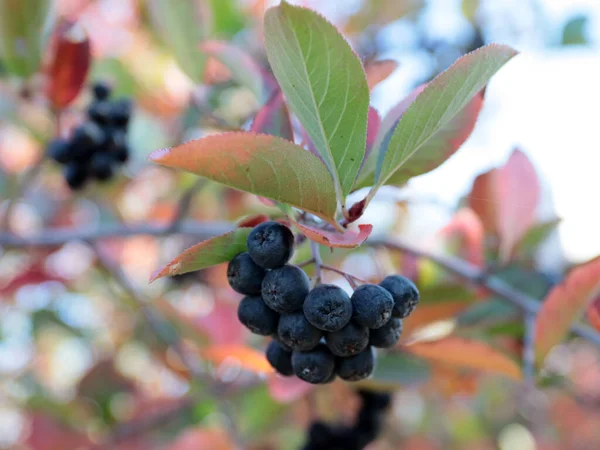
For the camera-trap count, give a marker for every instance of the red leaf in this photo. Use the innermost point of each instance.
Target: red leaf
(196, 439)
(252, 221)
(69, 66)
(273, 118)
(593, 314)
(506, 200)
(47, 434)
(377, 71)
(349, 239)
(288, 389)
(222, 324)
(373, 124)
(467, 225)
(564, 305)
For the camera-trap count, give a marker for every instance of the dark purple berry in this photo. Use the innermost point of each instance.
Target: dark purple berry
(348, 341)
(257, 317)
(388, 335)
(357, 367)
(121, 113)
(59, 150)
(280, 359)
(404, 292)
(101, 166)
(328, 307)
(101, 90)
(100, 112)
(270, 244)
(244, 275)
(285, 288)
(315, 366)
(297, 333)
(372, 305)
(76, 175)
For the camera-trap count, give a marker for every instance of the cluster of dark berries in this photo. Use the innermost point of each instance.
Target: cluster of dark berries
(365, 429)
(98, 145)
(321, 333)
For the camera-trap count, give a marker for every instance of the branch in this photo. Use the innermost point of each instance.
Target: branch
(316, 256)
(185, 203)
(529, 350)
(53, 237)
(478, 277)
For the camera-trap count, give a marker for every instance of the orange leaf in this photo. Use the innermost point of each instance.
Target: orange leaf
(349, 239)
(377, 71)
(196, 439)
(69, 66)
(427, 314)
(468, 225)
(467, 353)
(246, 357)
(564, 304)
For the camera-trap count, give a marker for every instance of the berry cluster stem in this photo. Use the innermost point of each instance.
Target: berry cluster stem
(316, 256)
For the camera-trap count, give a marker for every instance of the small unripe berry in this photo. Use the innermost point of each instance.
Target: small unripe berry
(372, 305)
(297, 333)
(388, 335)
(404, 293)
(357, 367)
(315, 366)
(244, 275)
(285, 288)
(279, 358)
(328, 307)
(257, 316)
(348, 341)
(270, 244)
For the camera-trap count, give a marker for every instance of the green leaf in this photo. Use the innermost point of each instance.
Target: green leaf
(446, 293)
(209, 253)
(227, 17)
(433, 112)
(535, 236)
(325, 85)
(260, 164)
(182, 25)
(398, 369)
(25, 26)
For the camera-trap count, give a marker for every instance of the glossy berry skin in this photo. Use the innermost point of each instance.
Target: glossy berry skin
(315, 366)
(285, 288)
(76, 175)
(257, 317)
(59, 150)
(244, 275)
(328, 307)
(295, 332)
(372, 305)
(270, 244)
(348, 341)
(388, 335)
(101, 166)
(357, 367)
(280, 359)
(404, 293)
(101, 90)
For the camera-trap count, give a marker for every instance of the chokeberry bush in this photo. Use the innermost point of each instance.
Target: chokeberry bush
(309, 303)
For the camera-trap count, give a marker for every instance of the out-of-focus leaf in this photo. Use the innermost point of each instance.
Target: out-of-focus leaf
(288, 389)
(564, 305)
(332, 239)
(470, 354)
(237, 355)
(103, 379)
(24, 30)
(397, 369)
(428, 313)
(441, 117)
(273, 118)
(182, 25)
(373, 124)
(593, 314)
(488, 312)
(381, 12)
(264, 165)
(506, 200)
(467, 225)
(222, 324)
(243, 68)
(377, 71)
(535, 236)
(469, 8)
(259, 412)
(574, 31)
(200, 438)
(69, 66)
(48, 434)
(252, 221)
(324, 83)
(228, 19)
(209, 253)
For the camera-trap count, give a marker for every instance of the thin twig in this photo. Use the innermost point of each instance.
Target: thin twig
(53, 237)
(345, 275)
(316, 256)
(185, 204)
(308, 262)
(529, 350)
(478, 277)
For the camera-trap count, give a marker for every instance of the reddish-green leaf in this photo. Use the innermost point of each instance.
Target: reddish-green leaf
(252, 221)
(241, 355)
(506, 200)
(564, 305)
(377, 71)
(209, 253)
(467, 226)
(535, 236)
(273, 118)
(593, 313)
(69, 66)
(466, 353)
(441, 117)
(264, 165)
(349, 239)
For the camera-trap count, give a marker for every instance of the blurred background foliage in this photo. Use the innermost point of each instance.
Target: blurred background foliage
(80, 368)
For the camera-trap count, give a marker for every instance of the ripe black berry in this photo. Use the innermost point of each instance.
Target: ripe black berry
(59, 150)
(121, 113)
(100, 112)
(257, 316)
(315, 366)
(270, 244)
(76, 175)
(297, 333)
(244, 275)
(328, 307)
(348, 341)
(87, 138)
(101, 166)
(101, 90)
(122, 153)
(372, 305)
(284, 289)
(357, 367)
(280, 359)
(388, 335)
(404, 293)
